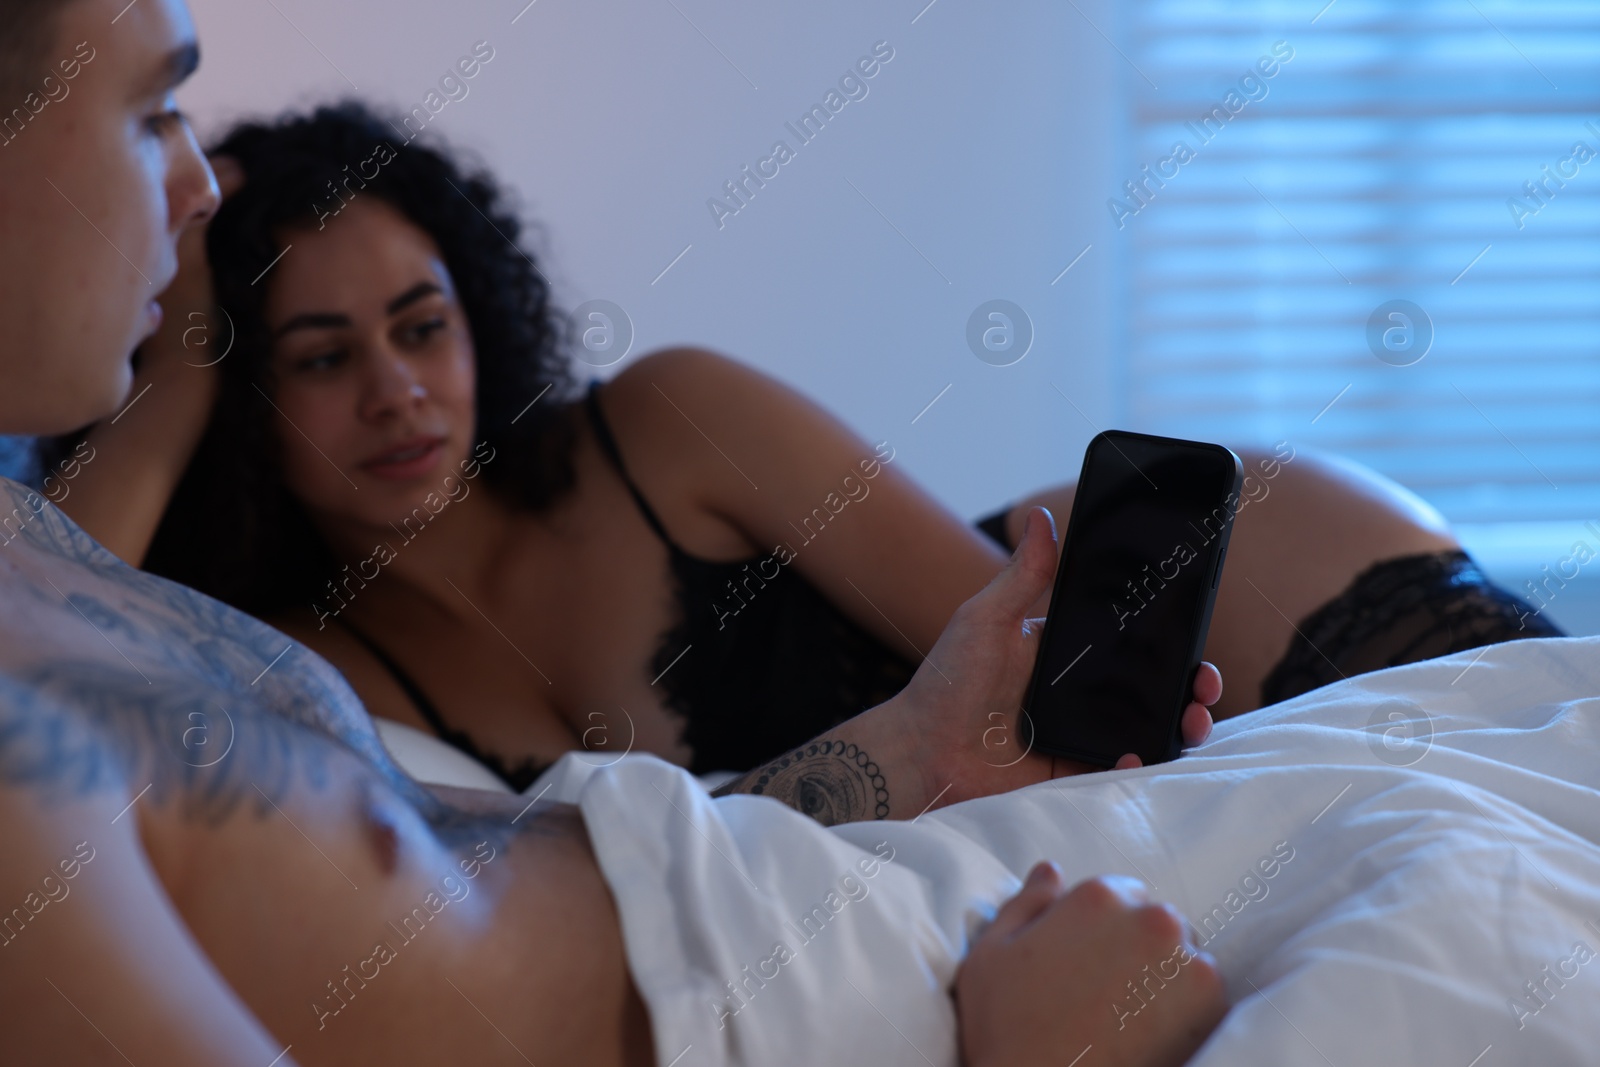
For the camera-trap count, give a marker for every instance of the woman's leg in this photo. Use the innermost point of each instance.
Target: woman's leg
(1311, 528)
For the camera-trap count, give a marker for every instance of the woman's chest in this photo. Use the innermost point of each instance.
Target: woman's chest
(559, 652)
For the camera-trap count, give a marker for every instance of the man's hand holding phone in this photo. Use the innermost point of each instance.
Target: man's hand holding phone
(955, 729)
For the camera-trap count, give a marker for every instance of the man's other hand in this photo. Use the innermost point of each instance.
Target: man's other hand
(1099, 970)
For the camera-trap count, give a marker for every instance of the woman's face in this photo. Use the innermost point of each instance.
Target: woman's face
(375, 368)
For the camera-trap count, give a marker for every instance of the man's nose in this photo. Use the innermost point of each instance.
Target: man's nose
(194, 193)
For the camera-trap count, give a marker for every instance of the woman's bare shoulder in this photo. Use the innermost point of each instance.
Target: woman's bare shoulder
(706, 424)
(668, 376)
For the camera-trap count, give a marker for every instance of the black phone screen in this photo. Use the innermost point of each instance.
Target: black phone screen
(1133, 596)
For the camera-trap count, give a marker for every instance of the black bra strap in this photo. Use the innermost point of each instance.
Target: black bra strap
(518, 777)
(608, 445)
(413, 691)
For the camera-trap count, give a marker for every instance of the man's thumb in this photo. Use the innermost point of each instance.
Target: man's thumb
(1041, 889)
(1032, 566)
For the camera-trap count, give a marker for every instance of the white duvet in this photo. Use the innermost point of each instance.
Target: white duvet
(1435, 911)
(1400, 868)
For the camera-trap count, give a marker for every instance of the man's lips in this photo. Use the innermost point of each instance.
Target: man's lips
(406, 459)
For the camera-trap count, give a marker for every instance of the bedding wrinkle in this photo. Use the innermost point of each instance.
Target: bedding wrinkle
(1379, 913)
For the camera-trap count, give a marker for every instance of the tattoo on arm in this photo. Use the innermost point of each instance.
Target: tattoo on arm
(832, 781)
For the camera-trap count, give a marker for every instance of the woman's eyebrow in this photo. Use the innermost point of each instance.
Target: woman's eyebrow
(312, 320)
(331, 320)
(412, 295)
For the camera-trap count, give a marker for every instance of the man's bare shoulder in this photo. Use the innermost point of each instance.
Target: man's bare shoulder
(141, 660)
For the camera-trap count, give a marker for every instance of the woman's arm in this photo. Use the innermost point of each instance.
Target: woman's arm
(930, 743)
(127, 470)
(731, 457)
(129, 466)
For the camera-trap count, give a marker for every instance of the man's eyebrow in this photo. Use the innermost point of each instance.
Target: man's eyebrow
(176, 67)
(411, 296)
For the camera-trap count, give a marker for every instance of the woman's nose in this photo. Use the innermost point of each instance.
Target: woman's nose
(392, 386)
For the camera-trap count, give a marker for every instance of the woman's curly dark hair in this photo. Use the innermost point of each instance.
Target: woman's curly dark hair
(233, 529)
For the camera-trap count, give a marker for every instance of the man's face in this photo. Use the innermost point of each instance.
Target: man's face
(94, 190)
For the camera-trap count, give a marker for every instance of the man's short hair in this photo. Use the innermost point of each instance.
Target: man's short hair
(27, 30)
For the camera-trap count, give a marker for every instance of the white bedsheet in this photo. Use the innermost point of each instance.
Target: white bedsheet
(1406, 909)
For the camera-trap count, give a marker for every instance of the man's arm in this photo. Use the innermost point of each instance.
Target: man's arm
(104, 971)
(951, 734)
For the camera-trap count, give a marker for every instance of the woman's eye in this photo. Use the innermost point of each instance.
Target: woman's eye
(423, 330)
(326, 361)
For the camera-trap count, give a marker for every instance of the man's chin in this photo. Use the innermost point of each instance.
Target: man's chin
(59, 391)
(40, 420)
(84, 407)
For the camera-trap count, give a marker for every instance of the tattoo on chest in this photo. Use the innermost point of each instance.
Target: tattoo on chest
(174, 693)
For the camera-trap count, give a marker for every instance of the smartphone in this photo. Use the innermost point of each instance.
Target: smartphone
(1141, 561)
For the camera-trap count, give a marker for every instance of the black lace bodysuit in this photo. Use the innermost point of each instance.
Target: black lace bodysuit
(756, 665)
(1400, 611)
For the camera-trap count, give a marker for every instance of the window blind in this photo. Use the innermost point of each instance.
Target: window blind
(1445, 154)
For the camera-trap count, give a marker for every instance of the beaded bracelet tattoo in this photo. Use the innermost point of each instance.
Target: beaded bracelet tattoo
(832, 781)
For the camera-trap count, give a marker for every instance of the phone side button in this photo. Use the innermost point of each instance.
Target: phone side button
(1217, 575)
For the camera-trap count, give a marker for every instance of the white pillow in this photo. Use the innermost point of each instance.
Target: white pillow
(428, 759)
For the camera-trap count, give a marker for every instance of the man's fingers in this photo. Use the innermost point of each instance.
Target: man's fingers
(1196, 724)
(1208, 684)
(1039, 891)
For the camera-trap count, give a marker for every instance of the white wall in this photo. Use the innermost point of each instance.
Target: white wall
(988, 141)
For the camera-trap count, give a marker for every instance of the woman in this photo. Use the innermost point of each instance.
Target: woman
(393, 465)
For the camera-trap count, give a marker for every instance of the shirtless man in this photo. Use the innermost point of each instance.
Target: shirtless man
(204, 840)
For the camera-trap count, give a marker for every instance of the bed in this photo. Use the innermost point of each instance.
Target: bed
(1403, 867)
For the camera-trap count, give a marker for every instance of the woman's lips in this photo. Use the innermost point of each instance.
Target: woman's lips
(407, 460)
